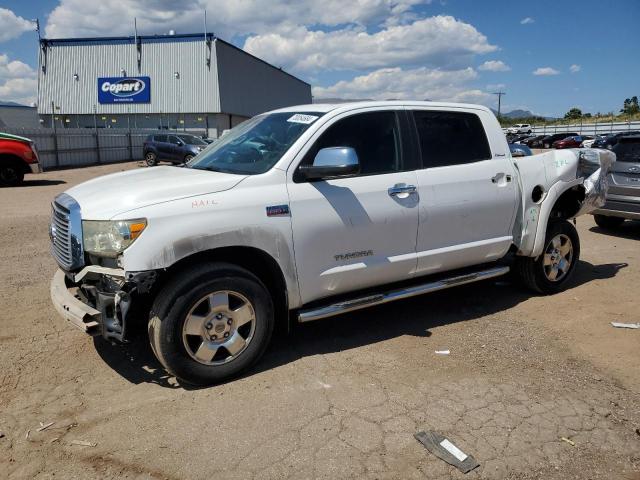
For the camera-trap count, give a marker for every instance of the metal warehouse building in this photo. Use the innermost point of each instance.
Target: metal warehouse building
(190, 81)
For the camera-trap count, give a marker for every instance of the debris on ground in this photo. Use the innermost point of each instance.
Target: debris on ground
(1, 434)
(625, 325)
(26, 436)
(56, 439)
(83, 443)
(445, 450)
(44, 426)
(570, 442)
(442, 352)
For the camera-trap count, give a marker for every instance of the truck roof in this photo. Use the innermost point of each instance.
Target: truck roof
(328, 107)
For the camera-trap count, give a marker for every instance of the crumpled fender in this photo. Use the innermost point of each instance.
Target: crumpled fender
(555, 173)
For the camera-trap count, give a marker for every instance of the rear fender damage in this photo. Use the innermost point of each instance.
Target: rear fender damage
(579, 175)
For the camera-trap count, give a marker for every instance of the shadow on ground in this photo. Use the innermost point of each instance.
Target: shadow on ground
(40, 183)
(136, 362)
(629, 230)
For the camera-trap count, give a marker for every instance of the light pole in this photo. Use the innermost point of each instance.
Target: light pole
(499, 94)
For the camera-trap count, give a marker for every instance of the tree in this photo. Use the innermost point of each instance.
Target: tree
(573, 114)
(630, 106)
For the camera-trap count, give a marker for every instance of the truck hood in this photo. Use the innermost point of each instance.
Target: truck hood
(105, 197)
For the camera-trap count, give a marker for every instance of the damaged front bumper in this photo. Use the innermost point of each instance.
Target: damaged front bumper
(97, 300)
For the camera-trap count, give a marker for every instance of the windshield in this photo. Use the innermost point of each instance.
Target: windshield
(191, 140)
(256, 145)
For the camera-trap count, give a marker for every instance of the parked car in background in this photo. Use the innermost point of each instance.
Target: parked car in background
(18, 156)
(570, 142)
(610, 140)
(547, 141)
(533, 141)
(517, 138)
(520, 128)
(589, 142)
(519, 150)
(171, 147)
(623, 199)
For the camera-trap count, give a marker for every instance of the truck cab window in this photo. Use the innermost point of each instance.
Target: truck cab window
(450, 138)
(375, 137)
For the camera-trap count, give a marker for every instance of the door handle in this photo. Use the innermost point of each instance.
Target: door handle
(498, 176)
(399, 189)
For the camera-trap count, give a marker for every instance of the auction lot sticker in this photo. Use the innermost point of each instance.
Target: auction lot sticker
(301, 118)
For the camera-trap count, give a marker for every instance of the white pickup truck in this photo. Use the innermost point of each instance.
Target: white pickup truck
(308, 212)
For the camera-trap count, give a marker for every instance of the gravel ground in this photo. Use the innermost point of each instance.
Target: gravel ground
(339, 398)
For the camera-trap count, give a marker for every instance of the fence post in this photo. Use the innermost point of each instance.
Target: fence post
(95, 132)
(130, 145)
(55, 144)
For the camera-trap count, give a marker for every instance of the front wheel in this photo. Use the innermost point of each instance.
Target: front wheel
(211, 323)
(608, 222)
(550, 272)
(11, 174)
(187, 158)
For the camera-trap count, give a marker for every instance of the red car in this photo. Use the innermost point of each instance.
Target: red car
(570, 142)
(18, 155)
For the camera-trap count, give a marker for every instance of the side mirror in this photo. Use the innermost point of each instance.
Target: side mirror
(332, 162)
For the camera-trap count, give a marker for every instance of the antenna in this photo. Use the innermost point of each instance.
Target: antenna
(135, 29)
(499, 94)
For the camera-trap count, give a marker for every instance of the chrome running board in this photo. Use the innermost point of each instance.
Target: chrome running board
(380, 298)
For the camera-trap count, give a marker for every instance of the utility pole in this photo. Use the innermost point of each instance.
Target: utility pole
(499, 94)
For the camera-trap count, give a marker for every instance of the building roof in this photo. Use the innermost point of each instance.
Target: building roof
(132, 39)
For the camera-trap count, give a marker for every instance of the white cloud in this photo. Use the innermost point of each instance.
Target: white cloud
(115, 17)
(527, 21)
(440, 41)
(545, 71)
(575, 68)
(496, 86)
(18, 81)
(413, 84)
(12, 26)
(494, 66)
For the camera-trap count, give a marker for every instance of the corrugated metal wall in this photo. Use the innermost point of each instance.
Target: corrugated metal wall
(249, 86)
(195, 91)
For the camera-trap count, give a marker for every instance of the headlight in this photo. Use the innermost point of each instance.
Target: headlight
(110, 238)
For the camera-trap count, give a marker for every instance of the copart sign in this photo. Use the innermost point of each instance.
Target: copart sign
(124, 90)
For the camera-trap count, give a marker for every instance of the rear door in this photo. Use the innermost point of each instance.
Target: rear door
(162, 147)
(467, 190)
(355, 232)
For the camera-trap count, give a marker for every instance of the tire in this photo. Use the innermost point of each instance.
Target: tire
(187, 158)
(184, 329)
(608, 222)
(529, 132)
(151, 159)
(537, 273)
(546, 145)
(11, 174)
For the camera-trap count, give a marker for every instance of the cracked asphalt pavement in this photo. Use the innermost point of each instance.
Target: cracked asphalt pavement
(339, 398)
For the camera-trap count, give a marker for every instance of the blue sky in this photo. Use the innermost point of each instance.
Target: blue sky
(585, 53)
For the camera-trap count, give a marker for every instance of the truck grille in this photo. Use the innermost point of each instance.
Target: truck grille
(65, 232)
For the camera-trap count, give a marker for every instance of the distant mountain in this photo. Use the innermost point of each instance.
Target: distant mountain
(11, 104)
(521, 114)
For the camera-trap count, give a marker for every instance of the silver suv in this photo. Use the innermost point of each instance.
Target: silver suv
(623, 199)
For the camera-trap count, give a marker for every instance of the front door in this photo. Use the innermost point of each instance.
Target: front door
(352, 233)
(468, 195)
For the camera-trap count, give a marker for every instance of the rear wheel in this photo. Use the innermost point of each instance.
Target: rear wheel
(151, 159)
(550, 272)
(11, 174)
(608, 222)
(211, 323)
(547, 145)
(187, 158)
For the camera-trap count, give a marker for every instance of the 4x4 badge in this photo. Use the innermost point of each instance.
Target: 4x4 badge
(278, 211)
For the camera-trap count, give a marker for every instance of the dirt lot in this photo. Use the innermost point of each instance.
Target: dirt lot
(340, 398)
